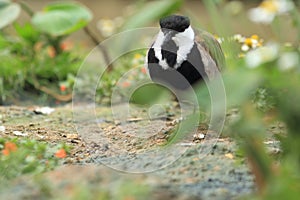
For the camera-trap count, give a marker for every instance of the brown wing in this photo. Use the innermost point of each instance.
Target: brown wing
(211, 46)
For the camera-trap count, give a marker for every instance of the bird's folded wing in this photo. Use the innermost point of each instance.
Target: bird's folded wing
(211, 46)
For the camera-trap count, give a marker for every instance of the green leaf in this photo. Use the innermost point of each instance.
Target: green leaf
(27, 32)
(9, 12)
(58, 19)
(152, 11)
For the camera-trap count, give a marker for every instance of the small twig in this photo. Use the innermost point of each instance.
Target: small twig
(132, 120)
(59, 97)
(101, 48)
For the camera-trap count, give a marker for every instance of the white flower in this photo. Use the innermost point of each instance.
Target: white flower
(262, 55)
(248, 43)
(108, 27)
(268, 9)
(260, 15)
(239, 38)
(245, 47)
(288, 60)
(284, 6)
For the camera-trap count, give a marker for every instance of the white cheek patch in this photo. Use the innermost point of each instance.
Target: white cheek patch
(157, 45)
(185, 42)
(157, 50)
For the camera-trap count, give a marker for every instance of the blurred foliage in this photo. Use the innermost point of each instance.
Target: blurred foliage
(111, 82)
(264, 84)
(60, 19)
(9, 12)
(261, 79)
(36, 59)
(25, 156)
(145, 13)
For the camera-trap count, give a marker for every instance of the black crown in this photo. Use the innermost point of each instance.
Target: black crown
(175, 22)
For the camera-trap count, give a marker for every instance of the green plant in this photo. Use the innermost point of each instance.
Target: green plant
(266, 77)
(37, 59)
(25, 156)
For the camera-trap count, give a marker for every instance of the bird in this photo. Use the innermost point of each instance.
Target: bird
(180, 56)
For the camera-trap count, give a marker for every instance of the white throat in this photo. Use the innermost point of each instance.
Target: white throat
(185, 43)
(183, 40)
(157, 50)
(182, 37)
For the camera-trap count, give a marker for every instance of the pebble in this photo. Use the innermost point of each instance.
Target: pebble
(2, 128)
(44, 110)
(199, 136)
(72, 136)
(18, 133)
(229, 155)
(75, 141)
(40, 136)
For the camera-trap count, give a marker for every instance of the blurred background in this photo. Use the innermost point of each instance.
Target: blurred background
(43, 44)
(35, 37)
(238, 20)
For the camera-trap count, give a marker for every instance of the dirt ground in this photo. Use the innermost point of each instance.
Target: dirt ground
(107, 154)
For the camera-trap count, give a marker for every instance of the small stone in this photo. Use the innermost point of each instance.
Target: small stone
(187, 144)
(44, 110)
(196, 159)
(229, 155)
(117, 123)
(72, 136)
(18, 133)
(75, 141)
(2, 128)
(199, 136)
(40, 136)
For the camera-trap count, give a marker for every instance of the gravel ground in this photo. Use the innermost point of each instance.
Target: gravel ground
(112, 151)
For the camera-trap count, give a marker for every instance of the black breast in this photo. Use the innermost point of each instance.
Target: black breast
(189, 73)
(168, 52)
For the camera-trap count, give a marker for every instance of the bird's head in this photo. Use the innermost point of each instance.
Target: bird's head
(176, 23)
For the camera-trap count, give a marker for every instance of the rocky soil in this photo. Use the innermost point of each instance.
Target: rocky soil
(106, 154)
